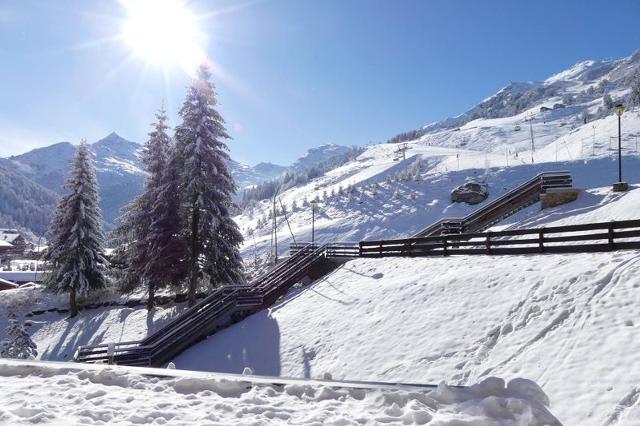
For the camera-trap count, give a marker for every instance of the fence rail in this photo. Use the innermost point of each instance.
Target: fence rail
(332, 250)
(623, 234)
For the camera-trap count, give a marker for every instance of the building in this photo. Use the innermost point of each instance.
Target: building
(15, 239)
(5, 247)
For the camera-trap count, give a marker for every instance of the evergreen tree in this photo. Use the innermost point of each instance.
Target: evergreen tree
(206, 187)
(633, 98)
(75, 250)
(19, 345)
(167, 264)
(150, 222)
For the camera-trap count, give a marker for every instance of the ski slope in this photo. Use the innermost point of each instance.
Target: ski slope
(567, 322)
(392, 198)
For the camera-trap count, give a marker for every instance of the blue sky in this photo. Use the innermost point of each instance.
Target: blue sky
(292, 74)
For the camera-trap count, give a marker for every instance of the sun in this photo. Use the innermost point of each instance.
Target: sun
(163, 32)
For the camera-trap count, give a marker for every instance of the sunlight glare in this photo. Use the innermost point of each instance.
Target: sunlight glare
(163, 32)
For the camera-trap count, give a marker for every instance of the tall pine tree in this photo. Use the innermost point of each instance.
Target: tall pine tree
(76, 251)
(142, 228)
(167, 265)
(206, 187)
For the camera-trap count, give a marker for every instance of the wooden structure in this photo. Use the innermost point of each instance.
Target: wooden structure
(223, 307)
(510, 203)
(584, 238)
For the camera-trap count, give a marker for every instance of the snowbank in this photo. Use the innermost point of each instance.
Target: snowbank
(101, 395)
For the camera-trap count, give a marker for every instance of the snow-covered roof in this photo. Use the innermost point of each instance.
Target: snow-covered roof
(9, 235)
(5, 244)
(7, 285)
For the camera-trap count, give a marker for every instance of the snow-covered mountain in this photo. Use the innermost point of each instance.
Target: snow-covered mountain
(317, 155)
(386, 193)
(121, 175)
(580, 88)
(119, 172)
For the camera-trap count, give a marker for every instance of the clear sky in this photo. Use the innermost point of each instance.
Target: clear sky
(291, 74)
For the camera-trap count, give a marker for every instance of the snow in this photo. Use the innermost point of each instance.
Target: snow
(464, 318)
(58, 336)
(117, 395)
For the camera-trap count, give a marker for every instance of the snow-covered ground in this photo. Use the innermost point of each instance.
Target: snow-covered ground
(566, 321)
(57, 394)
(58, 336)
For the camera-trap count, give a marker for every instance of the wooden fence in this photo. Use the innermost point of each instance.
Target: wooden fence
(591, 237)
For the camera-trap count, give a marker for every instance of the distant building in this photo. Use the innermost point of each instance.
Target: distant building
(556, 106)
(15, 239)
(544, 109)
(5, 247)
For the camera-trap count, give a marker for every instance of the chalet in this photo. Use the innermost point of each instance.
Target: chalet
(5, 247)
(13, 237)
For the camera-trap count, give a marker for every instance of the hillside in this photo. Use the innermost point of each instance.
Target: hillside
(393, 190)
(565, 321)
(23, 203)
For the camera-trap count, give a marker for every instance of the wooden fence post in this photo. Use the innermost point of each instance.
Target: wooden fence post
(360, 249)
(381, 249)
(611, 245)
(541, 240)
(488, 243)
(444, 246)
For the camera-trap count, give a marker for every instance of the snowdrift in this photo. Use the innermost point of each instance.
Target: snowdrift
(120, 395)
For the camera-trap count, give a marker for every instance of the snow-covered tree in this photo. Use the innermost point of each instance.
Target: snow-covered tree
(142, 230)
(19, 345)
(607, 102)
(633, 98)
(76, 251)
(206, 187)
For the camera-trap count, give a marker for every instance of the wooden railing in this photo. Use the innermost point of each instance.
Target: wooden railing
(591, 237)
(224, 306)
(513, 201)
(332, 250)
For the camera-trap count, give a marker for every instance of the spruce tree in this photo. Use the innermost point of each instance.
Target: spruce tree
(76, 251)
(206, 187)
(141, 236)
(166, 265)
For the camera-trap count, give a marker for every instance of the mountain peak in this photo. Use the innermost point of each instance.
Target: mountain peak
(113, 139)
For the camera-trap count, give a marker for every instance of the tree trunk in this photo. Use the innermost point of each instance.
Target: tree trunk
(195, 217)
(73, 305)
(152, 295)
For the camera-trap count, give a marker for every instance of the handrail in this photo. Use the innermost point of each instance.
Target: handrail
(537, 182)
(202, 317)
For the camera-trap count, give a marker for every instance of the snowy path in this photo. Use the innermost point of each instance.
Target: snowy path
(124, 396)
